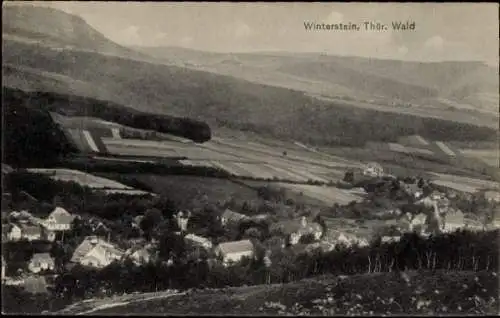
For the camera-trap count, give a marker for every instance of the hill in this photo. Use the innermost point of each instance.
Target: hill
(57, 30)
(463, 86)
(221, 101)
(379, 293)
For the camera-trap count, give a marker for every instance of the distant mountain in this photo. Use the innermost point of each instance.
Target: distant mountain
(472, 85)
(220, 101)
(58, 30)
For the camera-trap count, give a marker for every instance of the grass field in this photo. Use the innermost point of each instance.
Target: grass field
(489, 156)
(423, 293)
(89, 180)
(328, 195)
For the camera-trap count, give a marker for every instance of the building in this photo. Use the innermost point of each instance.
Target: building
(390, 239)
(295, 229)
(373, 169)
(11, 232)
(35, 284)
(233, 252)
(4, 265)
(96, 252)
(229, 217)
(40, 262)
(453, 220)
(198, 241)
(418, 223)
(31, 232)
(182, 219)
(139, 255)
(347, 239)
(492, 196)
(59, 220)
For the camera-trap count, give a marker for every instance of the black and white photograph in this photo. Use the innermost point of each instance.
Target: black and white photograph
(250, 158)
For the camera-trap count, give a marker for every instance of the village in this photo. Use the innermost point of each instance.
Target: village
(32, 261)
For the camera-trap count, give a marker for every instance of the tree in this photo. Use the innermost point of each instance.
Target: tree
(151, 219)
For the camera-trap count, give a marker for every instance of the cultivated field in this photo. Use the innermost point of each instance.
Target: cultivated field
(328, 195)
(464, 182)
(489, 156)
(85, 179)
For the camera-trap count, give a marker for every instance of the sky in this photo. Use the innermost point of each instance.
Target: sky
(443, 31)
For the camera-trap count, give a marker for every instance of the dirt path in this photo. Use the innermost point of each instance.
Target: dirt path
(111, 303)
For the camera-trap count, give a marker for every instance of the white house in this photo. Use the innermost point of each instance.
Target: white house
(59, 220)
(12, 232)
(453, 220)
(296, 229)
(233, 252)
(96, 252)
(373, 169)
(4, 265)
(198, 241)
(231, 218)
(40, 262)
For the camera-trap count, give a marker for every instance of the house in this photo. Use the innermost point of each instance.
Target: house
(140, 254)
(59, 220)
(294, 229)
(234, 251)
(453, 220)
(31, 232)
(373, 169)
(40, 262)
(182, 219)
(48, 235)
(390, 239)
(413, 190)
(492, 196)
(11, 232)
(229, 217)
(198, 241)
(96, 252)
(347, 239)
(4, 265)
(35, 284)
(418, 223)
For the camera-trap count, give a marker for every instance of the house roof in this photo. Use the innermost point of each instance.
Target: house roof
(88, 244)
(236, 246)
(233, 216)
(198, 239)
(42, 257)
(28, 229)
(454, 216)
(61, 216)
(35, 284)
(419, 218)
(295, 226)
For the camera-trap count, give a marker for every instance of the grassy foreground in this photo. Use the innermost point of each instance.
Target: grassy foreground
(442, 293)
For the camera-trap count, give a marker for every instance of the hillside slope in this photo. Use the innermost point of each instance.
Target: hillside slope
(471, 85)
(380, 293)
(57, 30)
(221, 101)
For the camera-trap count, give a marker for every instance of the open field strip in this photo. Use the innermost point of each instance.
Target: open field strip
(257, 171)
(329, 195)
(289, 157)
(306, 175)
(285, 174)
(123, 160)
(490, 157)
(142, 152)
(81, 178)
(231, 168)
(196, 163)
(456, 186)
(478, 183)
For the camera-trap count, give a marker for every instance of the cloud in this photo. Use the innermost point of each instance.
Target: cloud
(242, 30)
(402, 50)
(436, 42)
(160, 36)
(131, 33)
(334, 17)
(186, 41)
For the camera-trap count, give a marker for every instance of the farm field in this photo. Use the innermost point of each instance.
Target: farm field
(477, 184)
(328, 195)
(85, 179)
(491, 157)
(186, 190)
